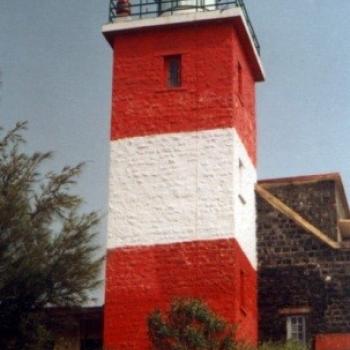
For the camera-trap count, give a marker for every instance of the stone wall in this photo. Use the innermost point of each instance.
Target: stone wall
(316, 202)
(296, 269)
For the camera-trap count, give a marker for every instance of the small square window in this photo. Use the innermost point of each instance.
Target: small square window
(173, 71)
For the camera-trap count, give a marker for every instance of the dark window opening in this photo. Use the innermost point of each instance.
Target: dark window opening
(242, 282)
(91, 344)
(239, 78)
(241, 174)
(173, 71)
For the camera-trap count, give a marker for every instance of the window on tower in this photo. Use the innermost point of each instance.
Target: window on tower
(242, 292)
(173, 71)
(239, 79)
(241, 175)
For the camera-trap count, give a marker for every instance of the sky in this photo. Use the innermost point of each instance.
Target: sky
(56, 73)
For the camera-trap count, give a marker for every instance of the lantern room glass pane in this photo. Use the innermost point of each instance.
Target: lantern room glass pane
(176, 5)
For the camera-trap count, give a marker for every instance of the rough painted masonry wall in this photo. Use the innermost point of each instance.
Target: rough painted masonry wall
(210, 97)
(179, 187)
(141, 279)
(333, 342)
(182, 187)
(213, 97)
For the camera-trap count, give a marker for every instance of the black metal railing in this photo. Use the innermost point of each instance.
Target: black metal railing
(153, 8)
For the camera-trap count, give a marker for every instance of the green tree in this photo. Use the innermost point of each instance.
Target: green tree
(47, 254)
(190, 325)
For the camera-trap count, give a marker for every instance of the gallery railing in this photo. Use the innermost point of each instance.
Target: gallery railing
(154, 8)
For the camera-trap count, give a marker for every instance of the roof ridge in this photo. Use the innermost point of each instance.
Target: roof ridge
(296, 217)
(301, 179)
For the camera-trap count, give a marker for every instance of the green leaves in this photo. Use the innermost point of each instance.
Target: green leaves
(282, 346)
(190, 325)
(47, 249)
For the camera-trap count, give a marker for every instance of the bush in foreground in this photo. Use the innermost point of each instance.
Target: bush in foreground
(190, 325)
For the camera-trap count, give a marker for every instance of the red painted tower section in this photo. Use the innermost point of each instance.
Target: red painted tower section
(336, 341)
(209, 270)
(208, 98)
(182, 210)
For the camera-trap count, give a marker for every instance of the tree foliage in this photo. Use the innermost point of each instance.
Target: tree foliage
(47, 254)
(190, 325)
(290, 345)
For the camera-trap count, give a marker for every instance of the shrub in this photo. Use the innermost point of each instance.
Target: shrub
(190, 325)
(291, 345)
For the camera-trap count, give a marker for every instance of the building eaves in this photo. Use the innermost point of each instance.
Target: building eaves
(310, 179)
(299, 180)
(284, 209)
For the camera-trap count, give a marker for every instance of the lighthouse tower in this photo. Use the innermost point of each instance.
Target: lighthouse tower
(182, 164)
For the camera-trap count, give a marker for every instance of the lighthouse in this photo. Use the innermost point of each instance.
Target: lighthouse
(181, 219)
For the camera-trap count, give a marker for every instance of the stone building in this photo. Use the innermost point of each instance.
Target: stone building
(303, 235)
(77, 329)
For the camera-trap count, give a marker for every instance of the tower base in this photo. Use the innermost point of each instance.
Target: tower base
(142, 279)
